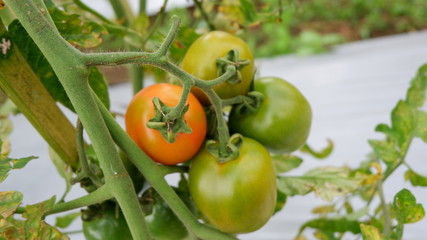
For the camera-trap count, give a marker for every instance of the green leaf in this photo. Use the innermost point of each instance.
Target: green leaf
(44, 71)
(9, 202)
(403, 123)
(370, 232)
(8, 164)
(421, 125)
(319, 154)
(285, 163)
(327, 183)
(280, 201)
(66, 220)
(386, 151)
(406, 208)
(248, 10)
(77, 31)
(332, 225)
(416, 93)
(415, 178)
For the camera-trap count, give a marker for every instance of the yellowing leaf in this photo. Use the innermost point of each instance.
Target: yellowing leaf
(326, 183)
(9, 202)
(370, 232)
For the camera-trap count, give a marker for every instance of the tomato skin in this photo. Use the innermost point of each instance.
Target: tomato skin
(283, 121)
(107, 226)
(200, 61)
(141, 110)
(238, 196)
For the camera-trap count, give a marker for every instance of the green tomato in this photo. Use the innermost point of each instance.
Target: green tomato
(238, 196)
(283, 120)
(200, 61)
(107, 226)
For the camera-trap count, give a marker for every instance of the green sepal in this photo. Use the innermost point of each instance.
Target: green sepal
(250, 104)
(232, 148)
(169, 128)
(232, 58)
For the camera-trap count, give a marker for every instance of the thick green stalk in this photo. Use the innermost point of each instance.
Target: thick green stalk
(73, 74)
(151, 171)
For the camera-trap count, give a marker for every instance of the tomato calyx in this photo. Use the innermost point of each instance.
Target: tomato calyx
(169, 126)
(232, 59)
(231, 150)
(250, 103)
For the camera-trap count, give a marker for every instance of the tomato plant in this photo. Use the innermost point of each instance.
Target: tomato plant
(200, 60)
(238, 196)
(282, 122)
(141, 110)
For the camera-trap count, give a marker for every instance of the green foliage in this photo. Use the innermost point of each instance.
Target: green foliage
(44, 71)
(285, 163)
(324, 153)
(66, 220)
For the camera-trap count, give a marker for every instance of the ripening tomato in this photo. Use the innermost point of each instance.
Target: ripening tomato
(282, 122)
(238, 196)
(141, 110)
(200, 61)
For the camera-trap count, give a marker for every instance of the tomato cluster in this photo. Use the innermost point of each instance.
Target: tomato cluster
(239, 195)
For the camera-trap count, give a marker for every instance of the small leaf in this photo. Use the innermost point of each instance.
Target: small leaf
(386, 151)
(66, 220)
(323, 210)
(327, 183)
(280, 201)
(416, 93)
(285, 163)
(406, 208)
(415, 178)
(9, 202)
(403, 123)
(1, 4)
(248, 10)
(8, 164)
(319, 154)
(421, 125)
(333, 225)
(370, 232)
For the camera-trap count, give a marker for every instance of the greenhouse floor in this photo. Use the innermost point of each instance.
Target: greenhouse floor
(351, 89)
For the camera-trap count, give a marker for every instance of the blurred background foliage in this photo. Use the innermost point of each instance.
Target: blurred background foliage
(304, 27)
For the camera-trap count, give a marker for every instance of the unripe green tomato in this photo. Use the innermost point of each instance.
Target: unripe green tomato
(283, 120)
(238, 196)
(200, 61)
